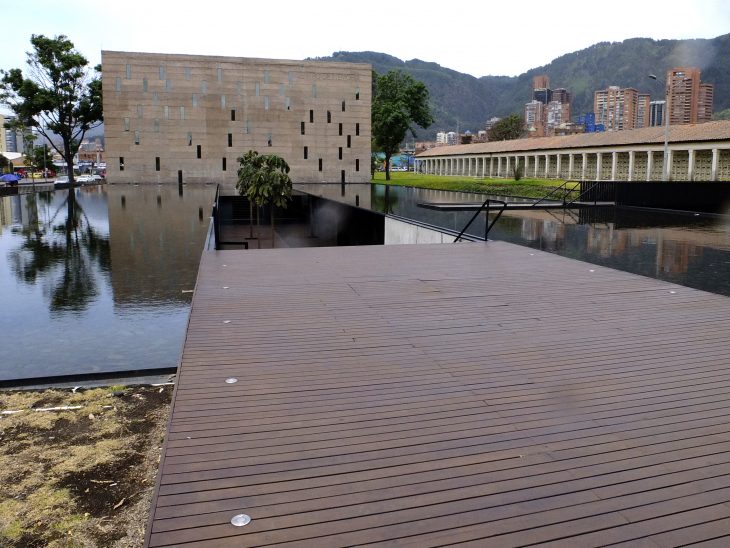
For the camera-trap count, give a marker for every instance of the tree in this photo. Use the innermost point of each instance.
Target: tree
(264, 180)
(511, 127)
(399, 101)
(41, 158)
(60, 97)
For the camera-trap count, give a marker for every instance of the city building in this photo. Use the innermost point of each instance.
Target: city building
(541, 89)
(441, 138)
(548, 108)
(619, 108)
(556, 113)
(534, 118)
(690, 101)
(175, 118)
(656, 117)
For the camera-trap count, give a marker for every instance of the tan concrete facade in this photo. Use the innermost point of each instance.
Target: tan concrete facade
(171, 118)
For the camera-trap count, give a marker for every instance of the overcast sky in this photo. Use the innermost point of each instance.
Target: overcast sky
(477, 37)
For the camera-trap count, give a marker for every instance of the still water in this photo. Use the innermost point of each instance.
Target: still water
(112, 293)
(687, 249)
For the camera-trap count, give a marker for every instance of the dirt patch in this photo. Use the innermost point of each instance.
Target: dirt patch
(82, 473)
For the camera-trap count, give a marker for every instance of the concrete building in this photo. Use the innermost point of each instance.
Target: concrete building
(696, 152)
(621, 108)
(656, 113)
(171, 118)
(690, 101)
(534, 116)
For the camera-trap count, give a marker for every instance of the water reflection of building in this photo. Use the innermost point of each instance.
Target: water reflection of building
(154, 233)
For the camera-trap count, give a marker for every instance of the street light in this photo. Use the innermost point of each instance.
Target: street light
(665, 165)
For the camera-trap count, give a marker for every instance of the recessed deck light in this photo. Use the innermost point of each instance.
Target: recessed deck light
(240, 520)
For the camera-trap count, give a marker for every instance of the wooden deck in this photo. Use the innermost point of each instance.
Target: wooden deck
(483, 394)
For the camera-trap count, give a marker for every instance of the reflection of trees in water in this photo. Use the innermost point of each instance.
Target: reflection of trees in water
(63, 252)
(382, 199)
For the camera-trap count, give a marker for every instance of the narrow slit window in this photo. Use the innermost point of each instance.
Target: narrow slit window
(314, 90)
(121, 163)
(302, 128)
(157, 163)
(357, 94)
(126, 124)
(233, 115)
(287, 103)
(266, 77)
(340, 128)
(199, 151)
(223, 101)
(343, 106)
(258, 89)
(195, 100)
(182, 113)
(168, 85)
(247, 129)
(282, 89)
(128, 71)
(204, 87)
(342, 177)
(311, 116)
(357, 164)
(320, 164)
(162, 72)
(155, 97)
(269, 141)
(139, 111)
(306, 152)
(156, 125)
(145, 85)
(290, 77)
(166, 111)
(136, 137)
(349, 141)
(329, 117)
(219, 74)
(230, 139)
(224, 163)
(190, 139)
(117, 84)
(188, 73)
(266, 102)
(239, 87)
(357, 129)
(340, 153)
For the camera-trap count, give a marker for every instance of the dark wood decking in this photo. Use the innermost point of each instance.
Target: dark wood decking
(485, 394)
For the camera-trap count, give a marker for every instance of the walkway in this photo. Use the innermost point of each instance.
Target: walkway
(485, 394)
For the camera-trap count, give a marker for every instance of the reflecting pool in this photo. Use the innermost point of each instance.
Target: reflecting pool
(99, 283)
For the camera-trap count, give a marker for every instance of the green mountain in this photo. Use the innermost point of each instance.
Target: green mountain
(469, 101)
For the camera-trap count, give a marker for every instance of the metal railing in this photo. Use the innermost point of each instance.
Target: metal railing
(563, 187)
(487, 225)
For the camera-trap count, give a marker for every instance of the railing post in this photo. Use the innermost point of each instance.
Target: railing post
(486, 223)
(216, 229)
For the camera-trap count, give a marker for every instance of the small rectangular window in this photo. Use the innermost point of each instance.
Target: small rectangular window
(340, 129)
(224, 164)
(166, 111)
(311, 116)
(239, 87)
(199, 151)
(266, 102)
(126, 124)
(145, 85)
(188, 73)
(233, 115)
(168, 85)
(329, 117)
(156, 125)
(162, 72)
(128, 71)
(343, 106)
(342, 178)
(223, 101)
(320, 164)
(157, 163)
(247, 129)
(195, 100)
(266, 77)
(219, 74)
(182, 113)
(117, 84)
(121, 163)
(139, 111)
(136, 137)
(349, 141)
(314, 90)
(290, 77)
(357, 94)
(340, 153)
(258, 89)
(230, 139)
(357, 129)
(204, 87)
(269, 141)
(302, 128)
(357, 164)
(190, 139)
(155, 97)
(306, 152)
(282, 89)
(287, 103)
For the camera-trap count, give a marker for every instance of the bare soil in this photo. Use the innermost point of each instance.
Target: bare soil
(81, 475)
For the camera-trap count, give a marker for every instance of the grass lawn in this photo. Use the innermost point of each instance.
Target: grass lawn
(529, 188)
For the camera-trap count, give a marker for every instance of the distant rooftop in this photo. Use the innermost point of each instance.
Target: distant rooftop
(708, 131)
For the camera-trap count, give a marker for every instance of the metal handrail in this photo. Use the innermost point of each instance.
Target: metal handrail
(487, 225)
(594, 185)
(553, 191)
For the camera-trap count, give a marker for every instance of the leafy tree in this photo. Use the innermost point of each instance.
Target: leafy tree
(3, 163)
(398, 102)
(511, 127)
(59, 96)
(264, 180)
(41, 156)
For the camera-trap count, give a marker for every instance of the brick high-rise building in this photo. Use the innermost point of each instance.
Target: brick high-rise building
(690, 101)
(534, 118)
(621, 108)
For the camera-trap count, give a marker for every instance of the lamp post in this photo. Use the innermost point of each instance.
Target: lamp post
(666, 169)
